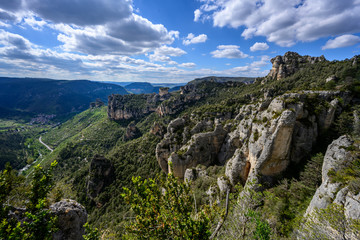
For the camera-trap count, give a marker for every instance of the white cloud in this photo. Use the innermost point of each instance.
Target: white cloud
(163, 53)
(91, 26)
(286, 22)
(342, 41)
(228, 51)
(187, 65)
(191, 39)
(197, 15)
(258, 46)
(265, 60)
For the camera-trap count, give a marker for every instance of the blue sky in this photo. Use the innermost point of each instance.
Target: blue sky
(168, 40)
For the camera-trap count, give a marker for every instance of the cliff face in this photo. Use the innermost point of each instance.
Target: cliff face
(133, 106)
(291, 62)
(340, 154)
(262, 140)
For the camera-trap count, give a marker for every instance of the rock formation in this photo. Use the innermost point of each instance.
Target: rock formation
(203, 149)
(335, 192)
(269, 138)
(332, 192)
(158, 129)
(263, 139)
(71, 219)
(98, 103)
(133, 106)
(132, 132)
(101, 174)
(291, 62)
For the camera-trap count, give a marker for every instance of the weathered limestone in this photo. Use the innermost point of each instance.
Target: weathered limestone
(71, 219)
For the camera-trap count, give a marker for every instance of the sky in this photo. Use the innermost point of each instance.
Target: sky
(169, 41)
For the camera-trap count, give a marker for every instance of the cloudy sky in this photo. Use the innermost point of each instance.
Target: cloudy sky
(169, 40)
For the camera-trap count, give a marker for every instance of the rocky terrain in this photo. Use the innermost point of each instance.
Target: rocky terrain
(265, 144)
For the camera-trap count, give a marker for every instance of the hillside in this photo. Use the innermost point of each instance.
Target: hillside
(33, 96)
(276, 144)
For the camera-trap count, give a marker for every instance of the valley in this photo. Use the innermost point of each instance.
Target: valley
(279, 144)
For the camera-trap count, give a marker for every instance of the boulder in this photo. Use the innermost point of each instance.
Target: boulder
(71, 219)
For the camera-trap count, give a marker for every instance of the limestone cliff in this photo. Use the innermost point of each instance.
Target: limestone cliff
(134, 106)
(262, 140)
(337, 155)
(291, 62)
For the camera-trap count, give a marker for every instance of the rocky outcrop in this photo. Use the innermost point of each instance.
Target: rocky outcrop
(269, 137)
(97, 104)
(133, 106)
(191, 174)
(174, 138)
(101, 174)
(158, 129)
(345, 195)
(188, 95)
(132, 132)
(291, 62)
(202, 148)
(163, 91)
(71, 217)
(329, 191)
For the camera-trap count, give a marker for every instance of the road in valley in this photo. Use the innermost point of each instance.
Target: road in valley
(45, 144)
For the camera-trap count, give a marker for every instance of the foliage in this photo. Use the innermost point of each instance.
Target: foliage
(91, 233)
(166, 213)
(36, 223)
(348, 173)
(330, 223)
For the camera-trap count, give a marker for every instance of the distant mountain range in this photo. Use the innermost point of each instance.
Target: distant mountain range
(146, 87)
(224, 79)
(29, 96)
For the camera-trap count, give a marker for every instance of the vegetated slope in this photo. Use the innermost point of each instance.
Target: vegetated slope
(141, 87)
(223, 79)
(92, 133)
(202, 106)
(32, 95)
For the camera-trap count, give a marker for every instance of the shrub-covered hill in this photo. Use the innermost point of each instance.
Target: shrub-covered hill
(129, 145)
(48, 96)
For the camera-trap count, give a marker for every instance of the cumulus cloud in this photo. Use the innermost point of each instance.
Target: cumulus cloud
(342, 41)
(81, 12)
(286, 22)
(192, 39)
(188, 65)
(258, 46)
(197, 15)
(228, 51)
(163, 53)
(92, 26)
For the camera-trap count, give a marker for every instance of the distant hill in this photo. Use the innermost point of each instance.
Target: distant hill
(60, 97)
(224, 79)
(141, 87)
(144, 87)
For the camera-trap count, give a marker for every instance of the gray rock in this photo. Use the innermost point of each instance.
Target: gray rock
(203, 149)
(328, 192)
(71, 218)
